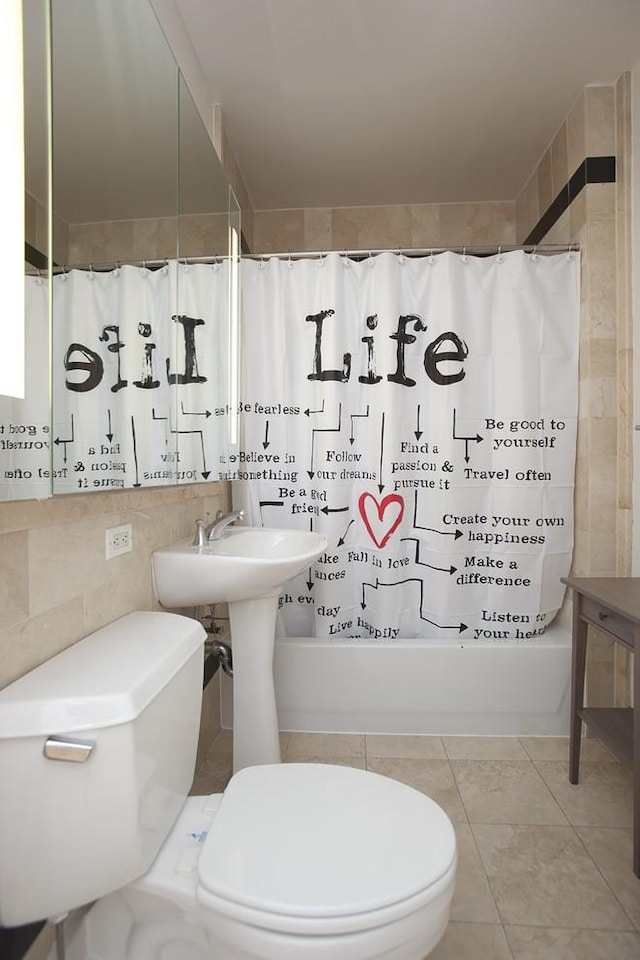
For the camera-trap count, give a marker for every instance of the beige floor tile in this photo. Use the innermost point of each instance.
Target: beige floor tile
(472, 897)
(602, 798)
(341, 761)
(543, 876)
(557, 748)
(550, 943)
(433, 777)
(223, 743)
(325, 745)
(612, 852)
(484, 748)
(505, 791)
(472, 941)
(396, 745)
(213, 774)
(43, 947)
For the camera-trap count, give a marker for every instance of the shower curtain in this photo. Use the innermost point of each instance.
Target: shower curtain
(421, 412)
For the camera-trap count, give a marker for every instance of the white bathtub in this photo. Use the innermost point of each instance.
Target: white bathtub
(422, 686)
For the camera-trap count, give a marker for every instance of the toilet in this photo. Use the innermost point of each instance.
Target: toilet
(297, 861)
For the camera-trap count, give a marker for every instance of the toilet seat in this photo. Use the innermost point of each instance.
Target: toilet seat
(291, 850)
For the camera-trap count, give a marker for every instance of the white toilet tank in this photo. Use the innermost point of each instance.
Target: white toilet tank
(79, 820)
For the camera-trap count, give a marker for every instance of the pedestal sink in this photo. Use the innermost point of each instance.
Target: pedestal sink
(246, 569)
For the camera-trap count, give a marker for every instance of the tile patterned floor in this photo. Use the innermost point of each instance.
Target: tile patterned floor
(544, 867)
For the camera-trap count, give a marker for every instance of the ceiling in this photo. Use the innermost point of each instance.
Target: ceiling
(332, 103)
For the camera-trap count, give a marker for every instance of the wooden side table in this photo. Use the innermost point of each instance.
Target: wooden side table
(613, 605)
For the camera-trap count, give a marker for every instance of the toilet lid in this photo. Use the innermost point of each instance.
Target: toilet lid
(317, 840)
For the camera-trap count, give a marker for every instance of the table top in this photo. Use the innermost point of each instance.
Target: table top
(620, 594)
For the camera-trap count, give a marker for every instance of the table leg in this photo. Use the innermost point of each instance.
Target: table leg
(578, 664)
(636, 751)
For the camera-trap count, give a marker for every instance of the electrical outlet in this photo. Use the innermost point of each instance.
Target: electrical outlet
(118, 540)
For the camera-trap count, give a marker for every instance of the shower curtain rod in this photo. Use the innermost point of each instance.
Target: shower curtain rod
(150, 264)
(478, 250)
(472, 250)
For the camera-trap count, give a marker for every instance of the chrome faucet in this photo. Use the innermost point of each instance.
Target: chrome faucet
(215, 530)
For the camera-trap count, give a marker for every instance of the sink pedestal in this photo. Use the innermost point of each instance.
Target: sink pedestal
(245, 569)
(255, 721)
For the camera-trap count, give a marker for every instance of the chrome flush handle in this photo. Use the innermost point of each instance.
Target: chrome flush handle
(66, 748)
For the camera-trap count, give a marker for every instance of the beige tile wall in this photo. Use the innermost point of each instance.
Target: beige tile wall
(155, 239)
(36, 229)
(598, 220)
(57, 585)
(412, 226)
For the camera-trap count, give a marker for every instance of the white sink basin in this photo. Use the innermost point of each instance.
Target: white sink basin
(246, 564)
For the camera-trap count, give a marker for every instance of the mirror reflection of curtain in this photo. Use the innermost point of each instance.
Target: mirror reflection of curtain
(25, 438)
(139, 362)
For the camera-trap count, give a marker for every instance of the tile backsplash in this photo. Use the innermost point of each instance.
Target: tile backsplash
(57, 585)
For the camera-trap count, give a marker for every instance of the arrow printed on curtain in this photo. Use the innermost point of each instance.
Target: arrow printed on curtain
(460, 627)
(308, 412)
(310, 580)
(194, 413)
(355, 416)
(166, 419)
(467, 440)
(421, 563)
(344, 535)
(417, 526)
(418, 432)
(136, 482)
(337, 429)
(204, 472)
(381, 484)
(64, 441)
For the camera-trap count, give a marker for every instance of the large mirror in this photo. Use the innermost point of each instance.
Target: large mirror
(142, 227)
(25, 436)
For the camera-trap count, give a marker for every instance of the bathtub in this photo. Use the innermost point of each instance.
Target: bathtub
(472, 688)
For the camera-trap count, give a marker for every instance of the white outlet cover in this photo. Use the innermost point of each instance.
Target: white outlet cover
(118, 540)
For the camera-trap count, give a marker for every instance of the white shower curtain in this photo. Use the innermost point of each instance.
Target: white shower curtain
(421, 412)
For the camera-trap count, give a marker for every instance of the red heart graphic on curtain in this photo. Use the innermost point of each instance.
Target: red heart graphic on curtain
(381, 519)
